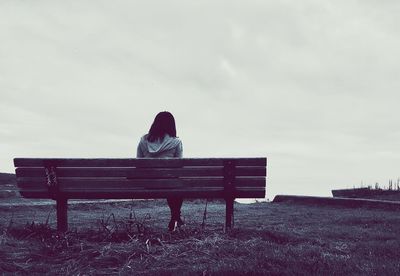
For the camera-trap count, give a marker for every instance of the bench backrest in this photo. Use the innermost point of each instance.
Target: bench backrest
(141, 178)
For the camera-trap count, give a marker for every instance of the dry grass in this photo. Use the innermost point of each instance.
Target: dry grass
(125, 239)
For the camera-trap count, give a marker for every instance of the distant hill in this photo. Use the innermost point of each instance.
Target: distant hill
(7, 178)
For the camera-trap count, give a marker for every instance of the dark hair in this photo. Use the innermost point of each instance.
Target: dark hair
(164, 123)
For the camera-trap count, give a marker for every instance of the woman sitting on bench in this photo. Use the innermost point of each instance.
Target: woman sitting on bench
(161, 142)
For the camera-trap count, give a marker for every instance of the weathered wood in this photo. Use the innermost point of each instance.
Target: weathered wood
(142, 183)
(35, 194)
(62, 214)
(32, 183)
(141, 172)
(121, 183)
(135, 162)
(155, 194)
(229, 190)
(229, 213)
(249, 193)
(145, 194)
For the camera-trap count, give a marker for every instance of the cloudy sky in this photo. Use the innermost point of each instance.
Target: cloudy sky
(312, 85)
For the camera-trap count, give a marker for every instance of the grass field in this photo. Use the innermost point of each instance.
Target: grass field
(7, 178)
(268, 238)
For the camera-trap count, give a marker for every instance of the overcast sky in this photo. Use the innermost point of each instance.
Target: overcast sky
(312, 85)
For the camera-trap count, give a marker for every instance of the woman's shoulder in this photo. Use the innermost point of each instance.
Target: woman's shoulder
(177, 140)
(144, 137)
(172, 138)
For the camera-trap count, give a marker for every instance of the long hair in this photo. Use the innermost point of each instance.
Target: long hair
(164, 123)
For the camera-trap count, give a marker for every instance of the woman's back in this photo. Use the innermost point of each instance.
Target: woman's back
(168, 147)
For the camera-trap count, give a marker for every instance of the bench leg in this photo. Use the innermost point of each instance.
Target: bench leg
(62, 216)
(229, 213)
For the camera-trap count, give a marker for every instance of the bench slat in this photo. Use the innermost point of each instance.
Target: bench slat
(35, 194)
(122, 183)
(134, 162)
(134, 194)
(141, 172)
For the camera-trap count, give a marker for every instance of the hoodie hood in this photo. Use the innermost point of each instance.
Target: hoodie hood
(158, 147)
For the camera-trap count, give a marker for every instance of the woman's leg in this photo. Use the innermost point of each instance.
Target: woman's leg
(175, 205)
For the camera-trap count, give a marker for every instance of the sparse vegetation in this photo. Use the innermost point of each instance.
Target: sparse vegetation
(7, 178)
(392, 186)
(390, 192)
(277, 239)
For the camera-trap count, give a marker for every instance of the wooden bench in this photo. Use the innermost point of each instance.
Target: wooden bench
(143, 178)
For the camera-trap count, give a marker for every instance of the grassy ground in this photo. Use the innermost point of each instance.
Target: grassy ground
(7, 178)
(125, 238)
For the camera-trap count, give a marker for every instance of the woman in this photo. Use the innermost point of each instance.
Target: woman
(161, 142)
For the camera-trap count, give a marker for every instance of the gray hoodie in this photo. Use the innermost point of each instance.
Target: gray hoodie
(168, 147)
